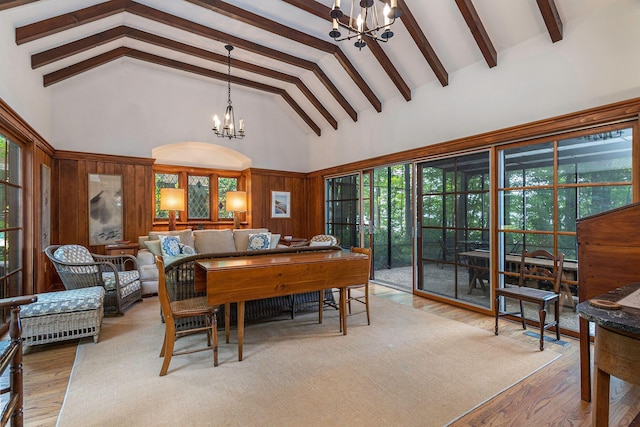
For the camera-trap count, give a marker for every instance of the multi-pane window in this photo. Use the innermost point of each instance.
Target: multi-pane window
(10, 219)
(203, 190)
(343, 209)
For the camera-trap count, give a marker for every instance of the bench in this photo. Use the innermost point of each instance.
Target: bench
(65, 315)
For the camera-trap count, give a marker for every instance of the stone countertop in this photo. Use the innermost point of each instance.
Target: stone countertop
(625, 319)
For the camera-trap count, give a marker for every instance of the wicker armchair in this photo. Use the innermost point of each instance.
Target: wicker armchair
(118, 275)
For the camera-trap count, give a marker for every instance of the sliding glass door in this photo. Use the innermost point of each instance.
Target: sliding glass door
(453, 228)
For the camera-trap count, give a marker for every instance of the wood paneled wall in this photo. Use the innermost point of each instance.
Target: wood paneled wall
(71, 197)
(261, 184)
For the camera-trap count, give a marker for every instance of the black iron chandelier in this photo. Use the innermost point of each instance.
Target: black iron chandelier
(366, 24)
(228, 129)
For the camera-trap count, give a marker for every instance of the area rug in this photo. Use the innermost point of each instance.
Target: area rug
(407, 368)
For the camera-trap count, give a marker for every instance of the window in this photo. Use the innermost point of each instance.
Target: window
(205, 189)
(343, 209)
(11, 232)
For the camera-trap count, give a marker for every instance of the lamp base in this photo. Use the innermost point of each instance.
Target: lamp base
(236, 220)
(172, 220)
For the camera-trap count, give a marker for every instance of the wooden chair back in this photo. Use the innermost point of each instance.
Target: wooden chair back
(367, 252)
(543, 266)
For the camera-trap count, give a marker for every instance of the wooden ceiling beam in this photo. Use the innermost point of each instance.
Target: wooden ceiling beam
(80, 67)
(478, 31)
(289, 33)
(78, 46)
(65, 21)
(322, 11)
(422, 43)
(8, 4)
(213, 34)
(551, 18)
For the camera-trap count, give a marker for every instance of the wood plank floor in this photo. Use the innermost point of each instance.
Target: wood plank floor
(550, 396)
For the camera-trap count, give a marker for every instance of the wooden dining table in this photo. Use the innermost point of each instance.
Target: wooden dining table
(245, 278)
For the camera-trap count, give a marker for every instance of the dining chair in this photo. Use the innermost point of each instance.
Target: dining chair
(173, 311)
(357, 296)
(544, 268)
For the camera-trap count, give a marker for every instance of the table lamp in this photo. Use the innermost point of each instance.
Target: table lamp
(236, 203)
(172, 200)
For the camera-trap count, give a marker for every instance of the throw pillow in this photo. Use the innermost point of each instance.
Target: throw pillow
(153, 246)
(170, 245)
(259, 241)
(241, 237)
(187, 250)
(275, 238)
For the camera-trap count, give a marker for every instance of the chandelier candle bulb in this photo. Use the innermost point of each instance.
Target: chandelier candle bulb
(387, 19)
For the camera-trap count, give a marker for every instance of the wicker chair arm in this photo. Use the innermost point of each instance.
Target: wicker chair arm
(120, 261)
(16, 301)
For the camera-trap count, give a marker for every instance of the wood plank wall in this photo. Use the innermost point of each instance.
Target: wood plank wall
(261, 183)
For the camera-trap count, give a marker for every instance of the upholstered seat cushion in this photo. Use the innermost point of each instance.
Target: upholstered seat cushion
(213, 241)
(129, 281)
(65, 302)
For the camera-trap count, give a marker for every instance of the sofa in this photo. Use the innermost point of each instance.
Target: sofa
(195, 242)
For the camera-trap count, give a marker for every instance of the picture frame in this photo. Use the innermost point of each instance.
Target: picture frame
(280, 204)
(45, 206)
(105, 209)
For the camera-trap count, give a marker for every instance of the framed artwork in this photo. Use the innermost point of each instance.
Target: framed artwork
(45, 206)
(280, 204)
(105, 209)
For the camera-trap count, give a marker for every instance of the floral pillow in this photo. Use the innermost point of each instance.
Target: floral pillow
(169, 245)
(259, 241)
(187, 250)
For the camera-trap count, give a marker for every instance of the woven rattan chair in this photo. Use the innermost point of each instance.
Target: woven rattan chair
(118, 274)
(545, 268)
(173, 311)
(11, 357)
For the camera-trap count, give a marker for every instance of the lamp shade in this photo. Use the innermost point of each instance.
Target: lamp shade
(236, 201)
(172, 199)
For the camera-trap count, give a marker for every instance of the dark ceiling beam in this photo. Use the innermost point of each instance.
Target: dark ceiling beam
(46, 27)
(83, 16)
(8, 4)
(213, 34)
(422, 43)
(472, 19)
(289, 33)
(551, 18)
(81, 45)
(322, 11)
(120, 52)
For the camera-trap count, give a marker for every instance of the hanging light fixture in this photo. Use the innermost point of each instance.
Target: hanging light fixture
(366, 24)
(228, 129)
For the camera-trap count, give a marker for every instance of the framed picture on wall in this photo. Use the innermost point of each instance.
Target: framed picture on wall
(280, 204)
(105, 209)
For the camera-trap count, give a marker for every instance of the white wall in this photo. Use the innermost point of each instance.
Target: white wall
(128, 107)
(597, 62)
(20, 87)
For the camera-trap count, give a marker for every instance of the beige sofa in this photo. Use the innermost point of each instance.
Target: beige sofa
(201, 241)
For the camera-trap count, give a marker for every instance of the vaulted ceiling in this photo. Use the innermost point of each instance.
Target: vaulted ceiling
(282, 47)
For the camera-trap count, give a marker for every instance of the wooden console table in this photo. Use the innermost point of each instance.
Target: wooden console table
(617, 347)
(240, 279)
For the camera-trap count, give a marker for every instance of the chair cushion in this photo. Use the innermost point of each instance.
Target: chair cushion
(76, 254)
(170, 245)
(214, 241)
(65, 302)
(259, 241)
(125, 277)
(323, 240)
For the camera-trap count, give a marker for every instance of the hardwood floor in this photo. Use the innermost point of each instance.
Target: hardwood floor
(550, 396)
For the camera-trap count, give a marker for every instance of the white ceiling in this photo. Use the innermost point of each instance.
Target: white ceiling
(507, 23)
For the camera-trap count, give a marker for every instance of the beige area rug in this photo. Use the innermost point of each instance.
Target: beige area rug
(408, 368)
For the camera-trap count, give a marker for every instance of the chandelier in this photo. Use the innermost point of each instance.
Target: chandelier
(229, 126)
(366, 24)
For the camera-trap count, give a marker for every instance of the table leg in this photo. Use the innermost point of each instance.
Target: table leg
(343, 309)
(240, 328)
(227, 320)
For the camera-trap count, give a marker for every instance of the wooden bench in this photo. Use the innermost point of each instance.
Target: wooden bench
(65, 315)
